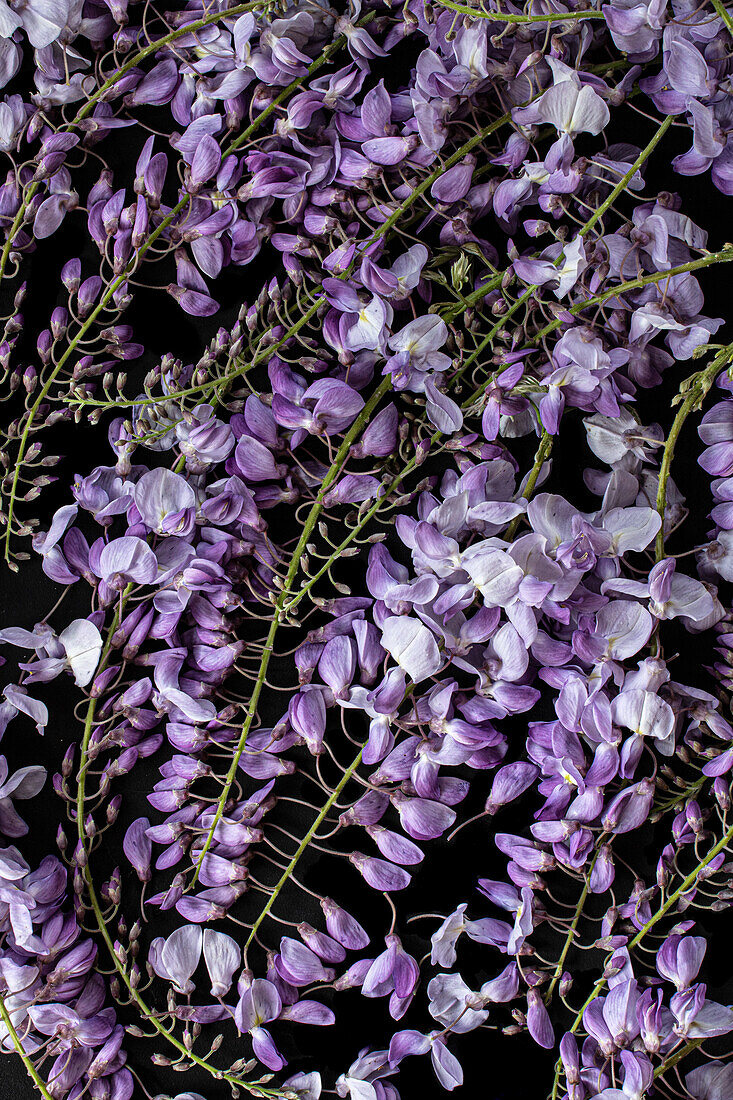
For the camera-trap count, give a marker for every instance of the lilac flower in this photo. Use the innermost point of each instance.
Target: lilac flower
(679, 959)
(18, 701)
(628, 809)
(371, 392)
(82, 644)
(696, 1017)
(446, 1066)
(647, 716)
(44, 22)
(394, 972)
(709, 1082)
(415, 351)
(177, 957)
(486, 930)
(67, 1029)
(138, 847)
(379, 873)
(412, 645)
(571, 107)
(538, 1021)
(260, 1004)
(22, 784)
(364, 1076)
(127, 560)
(298, 965)
(453, 1004)
(165, 502)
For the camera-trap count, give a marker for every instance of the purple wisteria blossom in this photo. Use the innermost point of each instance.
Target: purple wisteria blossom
(380, 629)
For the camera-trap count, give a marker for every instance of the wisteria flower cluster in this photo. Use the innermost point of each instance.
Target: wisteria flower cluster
(396, 611)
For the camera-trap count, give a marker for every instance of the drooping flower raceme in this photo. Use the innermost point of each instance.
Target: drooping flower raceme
(387, 575)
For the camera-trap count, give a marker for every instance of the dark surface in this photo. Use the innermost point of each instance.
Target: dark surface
(497, 1068)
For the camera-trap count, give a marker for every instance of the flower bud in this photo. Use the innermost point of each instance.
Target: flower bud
(721, 790)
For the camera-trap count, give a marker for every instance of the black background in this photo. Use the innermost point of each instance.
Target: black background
(497, 1068)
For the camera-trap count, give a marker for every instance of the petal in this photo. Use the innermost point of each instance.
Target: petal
(264, 1048)
(379, 874)
(222, 957)
(309, 1012)
(181, 953)
(412, 645)
(83, 644)
(405, 1043)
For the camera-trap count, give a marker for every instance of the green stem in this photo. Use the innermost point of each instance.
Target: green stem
(508, 17)
(386, 226)
(585, 230)
(131, 63)
(673, 803)
(449, 313)
(303, 845)
(724, 14)
(30, 1068)
(188, 28)
(142, 55)
(543, 453)
(148, 1015)
(573, 929)
(724, 256)
(145, 1011)
(673, 1059)
(700, 386)
(118, 282)
(627, 178)
(687, 883)
(489, 337)
(325, 56)
(279, 608)
(411, 465)
(436, 436)
(45, 389)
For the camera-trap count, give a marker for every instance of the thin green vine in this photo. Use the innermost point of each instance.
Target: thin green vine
(283, 880)
(100, 93)
(147, 1013)
(121, 279)
(279, 608)
(687, 883)
(695, 389)
(30, 1068)
(510, 17)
